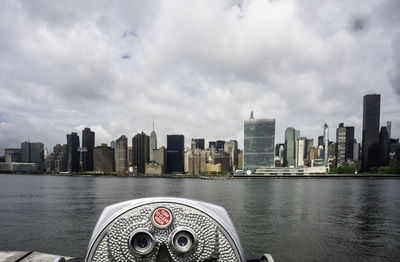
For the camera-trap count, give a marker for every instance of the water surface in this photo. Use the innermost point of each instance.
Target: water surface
(293, 219)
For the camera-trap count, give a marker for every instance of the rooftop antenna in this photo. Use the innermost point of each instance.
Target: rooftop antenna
(252, 114)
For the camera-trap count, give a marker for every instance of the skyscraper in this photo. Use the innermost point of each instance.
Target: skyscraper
(384, 146)
(103, 158)
(73, 154)
(175, 154)
(389, 128)
(291, 135)
(32, 152)
(344, 144)
(300, 151)
(259, 143)
(140, 152)
(220, 145)
(321, 140)
(121, 154)
(88, 143)
(326, 143)
(370, 131)
(231, 147)
(153, 143)
(211, 144)
(199, 143)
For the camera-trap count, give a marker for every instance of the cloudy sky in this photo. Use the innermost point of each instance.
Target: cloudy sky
(194, 67)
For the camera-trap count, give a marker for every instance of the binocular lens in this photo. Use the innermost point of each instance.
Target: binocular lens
(142, 242)
(183, 241)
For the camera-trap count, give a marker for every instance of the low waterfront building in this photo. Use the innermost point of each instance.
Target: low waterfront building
(213, 167)
(154, 168)
(317, 162)
(289, 171)
(19, 167)
(12, 155)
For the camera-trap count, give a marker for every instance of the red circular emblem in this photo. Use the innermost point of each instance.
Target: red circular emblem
(161, 217)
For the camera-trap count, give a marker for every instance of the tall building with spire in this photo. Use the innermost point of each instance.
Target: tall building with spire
(259, 143)
(153, 143)
(326, 143)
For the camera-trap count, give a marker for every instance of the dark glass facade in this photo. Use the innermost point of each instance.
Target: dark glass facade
(103, 158)
(220, 145)
(259, 143)
(33, 153)
(88, 143)
(212, 144)
(321, 140)
(140, 151)
(175, 154)
(370, 131)
(344, 144)
(199, 143)
(73, 153)
(384, 146)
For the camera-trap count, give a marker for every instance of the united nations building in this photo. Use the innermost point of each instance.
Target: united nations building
(259, 142)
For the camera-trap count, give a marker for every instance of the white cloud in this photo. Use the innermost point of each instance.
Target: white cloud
(196, 68)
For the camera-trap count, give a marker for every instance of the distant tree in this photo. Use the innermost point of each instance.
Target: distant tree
(388, 170)
(343, 170)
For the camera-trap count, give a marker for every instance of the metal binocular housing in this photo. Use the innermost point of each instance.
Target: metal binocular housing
(165, 229)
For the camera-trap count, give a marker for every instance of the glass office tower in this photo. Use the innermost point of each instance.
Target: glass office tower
(259, 143)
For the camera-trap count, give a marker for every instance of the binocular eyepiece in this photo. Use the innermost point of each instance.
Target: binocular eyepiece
(165, 230)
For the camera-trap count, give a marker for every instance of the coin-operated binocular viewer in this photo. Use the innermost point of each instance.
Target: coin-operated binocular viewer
(165, 229)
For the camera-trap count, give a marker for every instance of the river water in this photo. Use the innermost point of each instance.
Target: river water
(293, 219)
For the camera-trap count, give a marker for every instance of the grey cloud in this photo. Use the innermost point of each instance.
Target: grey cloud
(195, 68)
(394, 72)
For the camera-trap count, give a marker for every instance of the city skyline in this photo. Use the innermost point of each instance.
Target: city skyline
(187, 140)
(115, 69)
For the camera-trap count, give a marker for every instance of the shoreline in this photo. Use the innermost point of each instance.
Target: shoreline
(211, 177)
